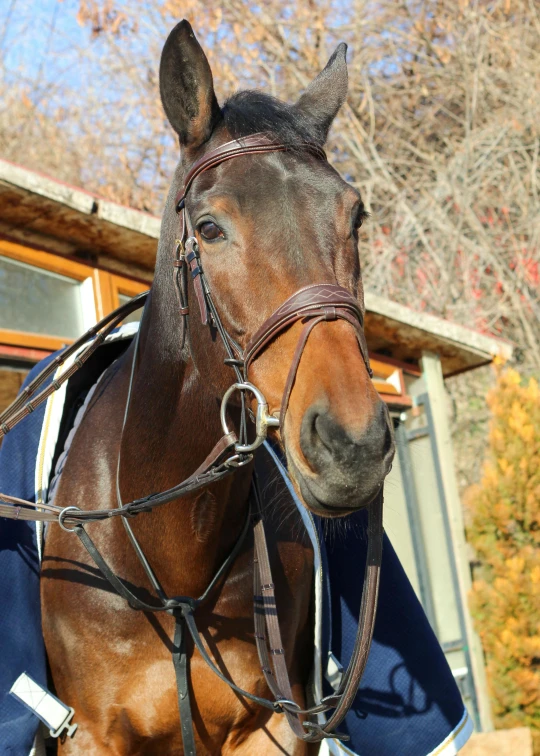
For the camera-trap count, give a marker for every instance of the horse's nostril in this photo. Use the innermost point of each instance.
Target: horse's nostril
(324, 429)
(388, 437)
(348, 464)
(315, 438)
(327, 445)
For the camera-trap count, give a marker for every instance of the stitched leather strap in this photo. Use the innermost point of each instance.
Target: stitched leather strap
(366, 623)
(214, 468)
(266, 612)
(308, 302)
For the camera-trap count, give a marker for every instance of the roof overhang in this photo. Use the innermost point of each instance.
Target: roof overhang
(43, 212)
(404, 334)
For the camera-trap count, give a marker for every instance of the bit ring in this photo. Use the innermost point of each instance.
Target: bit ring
(263, 420)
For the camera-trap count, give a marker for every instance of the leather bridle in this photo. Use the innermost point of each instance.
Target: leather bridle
(311, 306)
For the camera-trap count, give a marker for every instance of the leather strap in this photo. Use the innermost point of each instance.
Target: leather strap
(215, 467)
(22, 406)
(291, 377)
(366, 623)
(250, 145)
(181, 668)
(308, 302)
(266, 611)
(264, 598)
(195, 266)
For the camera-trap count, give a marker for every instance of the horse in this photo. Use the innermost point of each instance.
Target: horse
(266, 225)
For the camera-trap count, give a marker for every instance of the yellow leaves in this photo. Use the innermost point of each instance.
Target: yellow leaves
(528, 684)
(518, 416)
(505, 534)
(504, 464)
(531, 646)
(515, 567)
(508, 637)
(527, 433)
(533, 391)
(511, 377)
(497, 435)
(490, 478)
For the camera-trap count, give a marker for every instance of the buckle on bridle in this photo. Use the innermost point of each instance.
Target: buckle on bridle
(263, 419)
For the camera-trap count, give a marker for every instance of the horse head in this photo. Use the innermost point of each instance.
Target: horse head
(267, 225)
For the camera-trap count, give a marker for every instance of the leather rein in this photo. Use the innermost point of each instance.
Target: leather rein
(310, 305)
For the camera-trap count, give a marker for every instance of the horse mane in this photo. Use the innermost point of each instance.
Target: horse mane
(249, 112)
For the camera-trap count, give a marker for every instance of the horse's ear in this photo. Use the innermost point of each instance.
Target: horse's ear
(187, 87)
(326, 94)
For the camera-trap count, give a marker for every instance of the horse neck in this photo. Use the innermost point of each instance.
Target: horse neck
(174, 411)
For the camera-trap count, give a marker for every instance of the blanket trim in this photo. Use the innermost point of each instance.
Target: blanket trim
(450, 746)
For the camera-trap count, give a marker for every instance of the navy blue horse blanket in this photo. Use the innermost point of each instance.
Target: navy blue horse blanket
(408, 703)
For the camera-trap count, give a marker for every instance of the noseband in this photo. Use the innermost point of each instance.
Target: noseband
(310, 305)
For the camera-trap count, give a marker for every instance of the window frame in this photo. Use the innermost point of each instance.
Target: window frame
(106, 288)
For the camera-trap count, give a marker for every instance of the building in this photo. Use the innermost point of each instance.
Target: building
(67, 258)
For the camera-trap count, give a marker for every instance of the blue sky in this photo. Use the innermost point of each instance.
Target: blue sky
(39, 38)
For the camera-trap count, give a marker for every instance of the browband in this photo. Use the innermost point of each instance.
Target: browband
(254, 144)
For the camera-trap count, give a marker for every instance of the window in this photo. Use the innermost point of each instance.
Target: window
(40, 301)
(135, 316)
(124, 290)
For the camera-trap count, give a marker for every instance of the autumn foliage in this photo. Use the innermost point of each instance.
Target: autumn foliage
(440, 132)
(505, 533)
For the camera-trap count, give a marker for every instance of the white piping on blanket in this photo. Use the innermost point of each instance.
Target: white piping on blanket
(47, 443)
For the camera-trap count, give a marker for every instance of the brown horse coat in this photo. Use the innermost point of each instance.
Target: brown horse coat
(266, 226)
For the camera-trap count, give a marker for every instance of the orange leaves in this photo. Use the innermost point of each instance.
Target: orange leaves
(102, 17)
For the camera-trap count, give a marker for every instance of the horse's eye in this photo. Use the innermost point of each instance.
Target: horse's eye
(210, 231)
(359, 216)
